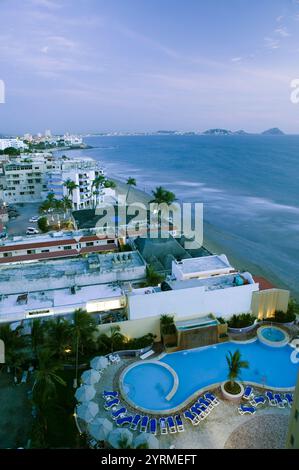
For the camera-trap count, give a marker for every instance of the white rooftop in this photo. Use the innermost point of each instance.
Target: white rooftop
(203, 265)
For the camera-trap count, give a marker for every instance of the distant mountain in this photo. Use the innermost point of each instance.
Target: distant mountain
(217, 132)
(241, 132)
(273, 131)
(166, 132)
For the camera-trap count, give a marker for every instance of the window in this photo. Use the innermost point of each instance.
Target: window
(109, 242)
(89, 244)
(67, 247)
(7, 255)
(45, 251)
(31, 252)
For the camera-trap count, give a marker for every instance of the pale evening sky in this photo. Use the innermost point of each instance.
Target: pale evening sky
(126, 65)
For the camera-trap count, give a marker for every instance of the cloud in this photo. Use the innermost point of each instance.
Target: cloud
(271, 43)
(49, 4)
(237, 59)
(282, 31)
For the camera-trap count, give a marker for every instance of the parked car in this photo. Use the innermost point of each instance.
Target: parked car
(34, 219)
(32, 231)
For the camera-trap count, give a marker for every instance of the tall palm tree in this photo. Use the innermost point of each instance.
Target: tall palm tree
(59, 336)
(130, 182)
(70, 186)
(163, 196)
(110, 184)
(83, 328)
(98, 183)
(37, 334)
(46, 377)
(66, 205)
(235, 364)
(153, 278)
(116, 338)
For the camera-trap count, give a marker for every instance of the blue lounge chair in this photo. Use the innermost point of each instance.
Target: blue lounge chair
(203, 408)
(280, 401)
(206, 403)
(119, 413)
(135, 422)
(198, 413)
(260, 400)
(179, 423)
(144, 423)
(153, 426)
(191, 417)
(289, 399)
(163, 426)
(109, 395)
(171, 425)
(111, 404)
(212, 398)
(243, 409)
(271, 399)
(124, 421)
(248, 393)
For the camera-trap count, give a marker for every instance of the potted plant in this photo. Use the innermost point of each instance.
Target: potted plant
(232, 389)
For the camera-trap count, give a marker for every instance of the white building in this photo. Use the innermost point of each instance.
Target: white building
(220, 293)
(16, 143)
(72, 140)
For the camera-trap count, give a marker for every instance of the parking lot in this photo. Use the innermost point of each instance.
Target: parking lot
(19, 225)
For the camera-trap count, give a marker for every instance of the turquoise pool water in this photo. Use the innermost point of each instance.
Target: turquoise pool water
(148, 384)
(273, 334)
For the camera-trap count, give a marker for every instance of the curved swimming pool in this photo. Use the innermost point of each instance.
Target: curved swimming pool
(147, 385)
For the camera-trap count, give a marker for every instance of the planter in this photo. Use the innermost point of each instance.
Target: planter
(231, 397)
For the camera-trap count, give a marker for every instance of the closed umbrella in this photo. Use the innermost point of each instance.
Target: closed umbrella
(87, 411)
(90, 377)
(99, 362)
(100, 428)
(148, 439)
(120, 438)
(85, 393)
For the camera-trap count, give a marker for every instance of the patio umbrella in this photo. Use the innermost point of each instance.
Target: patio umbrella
(119, 436)
(90, 377)
(85, 393)
(87, 411)
(100, 428)
(99, 362)
(149, 439)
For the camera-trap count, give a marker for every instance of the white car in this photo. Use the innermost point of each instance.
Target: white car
(34, 219)
(32, 231)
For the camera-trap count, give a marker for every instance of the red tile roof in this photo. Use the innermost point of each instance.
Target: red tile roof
(30, 246)
(264, 283)
(39, 256)
(99, 248)
(92, 238)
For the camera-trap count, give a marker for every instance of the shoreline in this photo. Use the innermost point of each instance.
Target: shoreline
(214, 241)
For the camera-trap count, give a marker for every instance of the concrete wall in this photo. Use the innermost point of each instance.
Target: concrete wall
(266, 302)
(192, 302)
(135, 328)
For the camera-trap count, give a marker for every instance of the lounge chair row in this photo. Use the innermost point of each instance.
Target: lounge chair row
(201, 409)
(274, 399)
(152, 425)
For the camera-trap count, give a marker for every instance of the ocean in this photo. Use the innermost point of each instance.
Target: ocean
(249, 186)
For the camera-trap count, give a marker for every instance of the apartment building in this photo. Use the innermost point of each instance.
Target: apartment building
(16, 143)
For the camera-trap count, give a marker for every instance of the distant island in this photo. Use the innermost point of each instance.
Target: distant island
(273, 131)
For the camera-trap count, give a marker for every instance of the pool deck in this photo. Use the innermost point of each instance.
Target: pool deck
(223, 428)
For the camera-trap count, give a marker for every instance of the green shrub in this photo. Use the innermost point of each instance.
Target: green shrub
(43, 224)
(221, 320)
(241, 321)
(282, 317)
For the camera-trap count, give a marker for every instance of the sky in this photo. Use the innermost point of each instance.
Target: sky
(142, 65)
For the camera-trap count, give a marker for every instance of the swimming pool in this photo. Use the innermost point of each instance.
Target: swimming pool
(273, 334)
(147, 385)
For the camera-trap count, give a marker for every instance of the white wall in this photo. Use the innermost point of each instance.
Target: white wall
(193, 301)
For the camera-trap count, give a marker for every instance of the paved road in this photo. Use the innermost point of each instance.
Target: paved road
(19, 225)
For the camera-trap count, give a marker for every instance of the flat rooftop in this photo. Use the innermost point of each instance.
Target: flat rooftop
(92, 269)
(211, 283)
(203, 264)
(16, 306)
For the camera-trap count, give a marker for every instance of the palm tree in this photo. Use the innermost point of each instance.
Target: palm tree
(163, 196)
(70, 186)
(235, 364)
(98, 183)
(37, 334)
(46, 378)
(116, 338)
(83, 328)
(59, 336)
(130, 182)
(110, 184)
(152, 277)
(14, 344)
(167, 324)
(66, 205)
